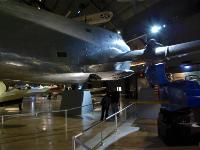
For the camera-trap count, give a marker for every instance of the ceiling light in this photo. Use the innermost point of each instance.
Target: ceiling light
(155, 29)
(118, 32)
(187, 67)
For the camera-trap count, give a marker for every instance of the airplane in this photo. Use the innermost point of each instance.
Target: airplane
(11, 97)
(96, 18)
(15, 95)
(41, 47)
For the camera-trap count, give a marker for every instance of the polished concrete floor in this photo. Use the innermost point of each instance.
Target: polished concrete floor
(48, 130)
(45, 132)
(145, 139)
(53, 131)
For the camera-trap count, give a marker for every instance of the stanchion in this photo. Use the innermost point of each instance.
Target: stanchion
(66, 120)
(2, 120)
(73, 143)
(101, 134)
(125, 114)
(116, 126)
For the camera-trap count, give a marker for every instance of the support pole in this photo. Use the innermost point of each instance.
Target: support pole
(66, 120)
(73, 143)
(116, 126)
(125, 114)
(101, 134)
(2, 120)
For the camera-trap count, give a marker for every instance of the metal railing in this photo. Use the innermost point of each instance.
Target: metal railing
(4, 117)
(76, 138)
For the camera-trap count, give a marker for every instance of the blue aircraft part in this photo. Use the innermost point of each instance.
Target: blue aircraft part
(181, 94)
(155, 74)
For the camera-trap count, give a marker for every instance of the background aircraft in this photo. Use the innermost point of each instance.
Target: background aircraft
(96, 18)
(11, 97)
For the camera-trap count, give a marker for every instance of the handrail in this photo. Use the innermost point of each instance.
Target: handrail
(100, 122)
(75, 138)
(92, 126)
(36, 113)
(119, 111)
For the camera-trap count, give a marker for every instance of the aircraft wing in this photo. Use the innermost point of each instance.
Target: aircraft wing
(153, 52)
(41, 47)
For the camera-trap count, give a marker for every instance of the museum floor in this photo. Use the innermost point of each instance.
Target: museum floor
(53, 131)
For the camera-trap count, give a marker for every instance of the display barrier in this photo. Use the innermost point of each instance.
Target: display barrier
(4, 117)
(76, 139)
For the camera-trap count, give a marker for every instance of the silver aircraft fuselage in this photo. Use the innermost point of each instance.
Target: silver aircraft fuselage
(36, 45)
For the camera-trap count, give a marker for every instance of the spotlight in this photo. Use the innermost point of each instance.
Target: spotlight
(155, 29)
(118, 32)
(187, 67)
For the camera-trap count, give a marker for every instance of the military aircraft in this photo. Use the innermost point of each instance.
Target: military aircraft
(11, 97)
(41, 47)
(96, 18)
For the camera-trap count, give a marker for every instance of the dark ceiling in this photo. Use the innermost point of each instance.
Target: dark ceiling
(122, 9)
(134, 17)
(181, 17)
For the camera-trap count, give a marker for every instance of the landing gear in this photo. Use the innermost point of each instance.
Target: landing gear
(178, 128)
